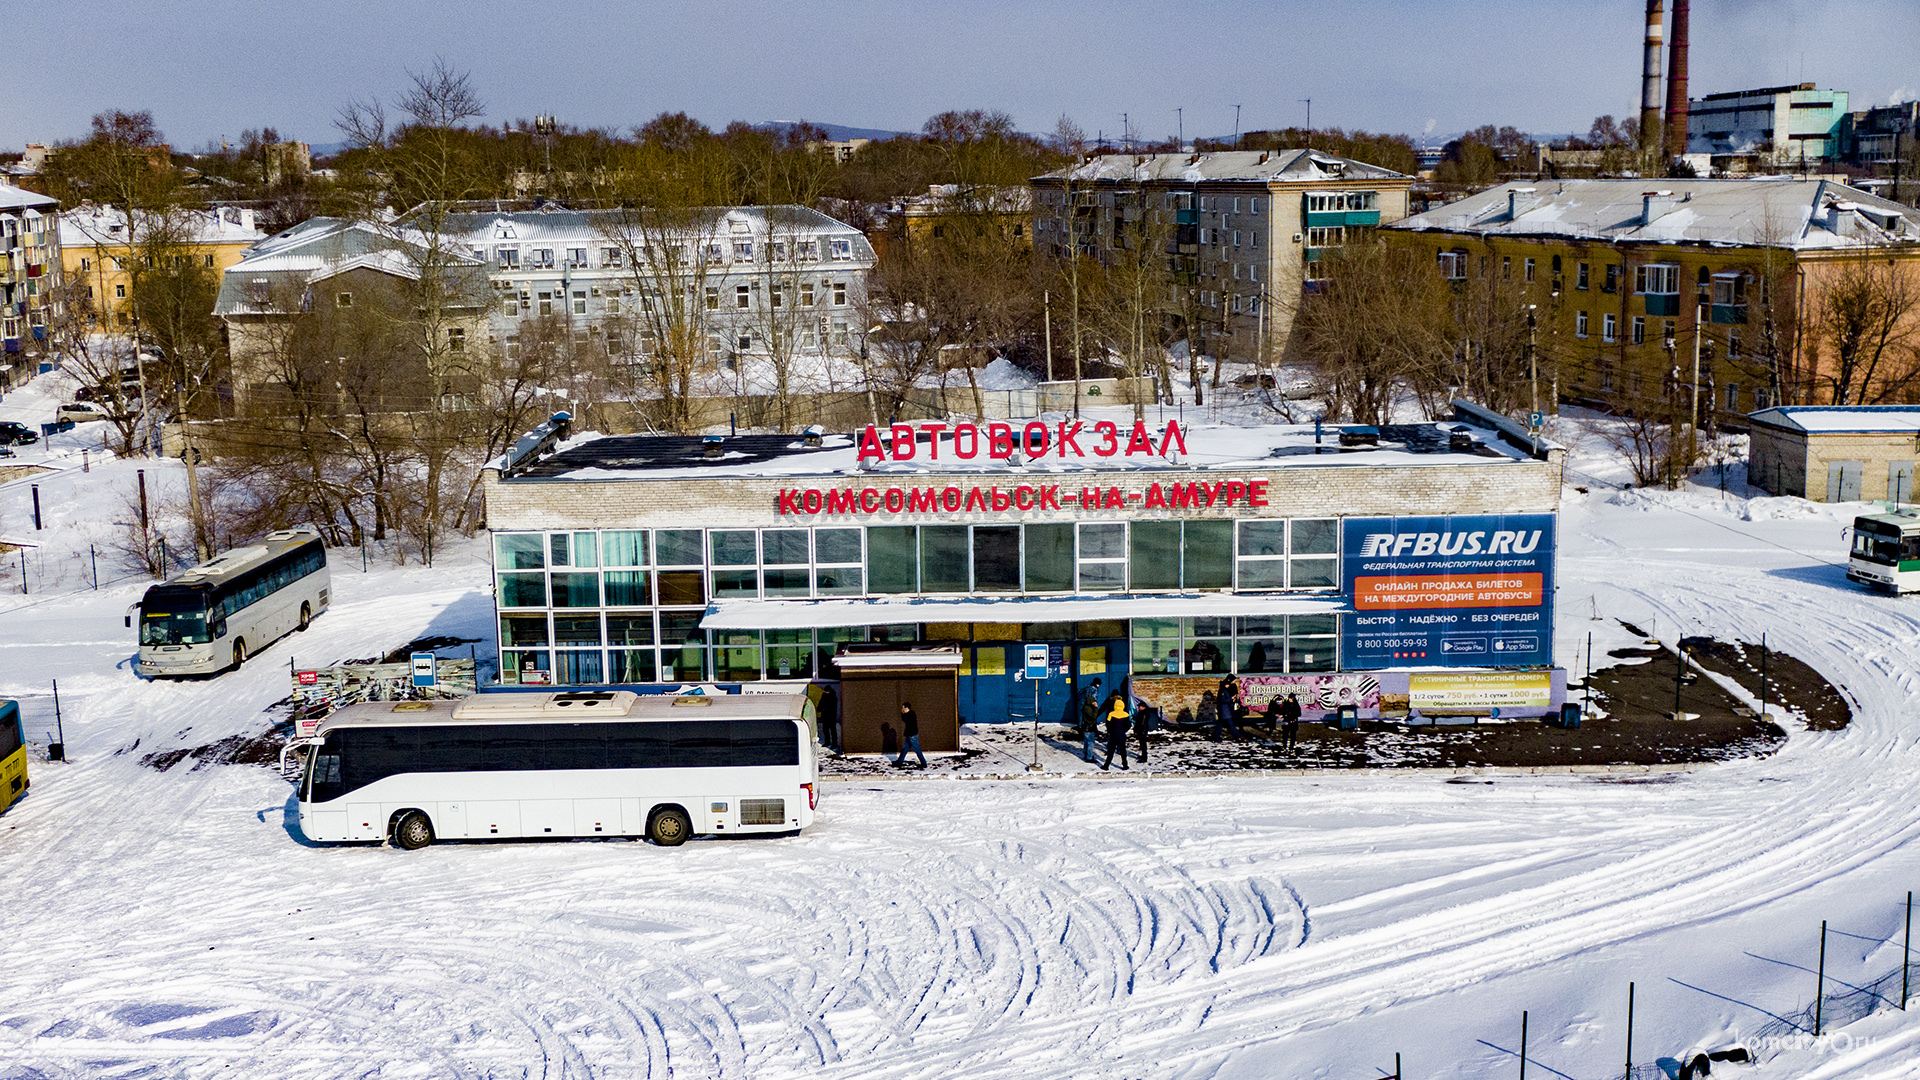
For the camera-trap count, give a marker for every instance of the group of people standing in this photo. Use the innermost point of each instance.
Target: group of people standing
(1229, 711)
(1116, 716)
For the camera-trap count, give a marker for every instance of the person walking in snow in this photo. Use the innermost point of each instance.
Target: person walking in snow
(909, 736)
(1289, 722)
(1116, 730)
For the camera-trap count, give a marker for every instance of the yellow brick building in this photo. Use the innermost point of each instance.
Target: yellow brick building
(1628, 278)
(96, 250)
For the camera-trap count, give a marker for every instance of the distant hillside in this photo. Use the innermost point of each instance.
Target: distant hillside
(836, 132)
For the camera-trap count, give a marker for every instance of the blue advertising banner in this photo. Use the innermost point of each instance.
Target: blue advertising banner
(1471, 591)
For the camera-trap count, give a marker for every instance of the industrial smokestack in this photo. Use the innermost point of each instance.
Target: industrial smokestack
(1650, 136)
(1677, 83)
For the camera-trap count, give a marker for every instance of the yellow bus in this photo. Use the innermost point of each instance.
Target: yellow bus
(13, 754)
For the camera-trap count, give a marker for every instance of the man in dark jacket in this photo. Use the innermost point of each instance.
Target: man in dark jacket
(1140, 719)
(909, 736)
(1227, 709)
(1090, 720)
(1116, 730)
(1289, 722)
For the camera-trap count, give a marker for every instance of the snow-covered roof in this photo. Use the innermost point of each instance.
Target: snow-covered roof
(1770, 211)
(1208, 446)
(90, 225)
(282, 266)
(15, 198)
(1843, 419)
(1272, 166)
(487, 228)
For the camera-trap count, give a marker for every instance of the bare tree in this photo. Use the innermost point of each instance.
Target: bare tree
(1379, 320)
(1865, 314)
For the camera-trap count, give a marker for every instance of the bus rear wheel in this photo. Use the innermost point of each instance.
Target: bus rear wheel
(239, 652)
(670, 827)
(413, 831)
(306, 616)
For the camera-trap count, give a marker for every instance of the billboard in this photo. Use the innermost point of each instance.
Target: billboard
(1463, 591)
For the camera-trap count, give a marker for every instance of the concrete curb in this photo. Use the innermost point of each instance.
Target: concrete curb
(1417, 771)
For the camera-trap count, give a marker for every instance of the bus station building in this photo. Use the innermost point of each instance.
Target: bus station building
(1404, 570)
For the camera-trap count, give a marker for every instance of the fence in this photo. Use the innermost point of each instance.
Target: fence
(317, 692)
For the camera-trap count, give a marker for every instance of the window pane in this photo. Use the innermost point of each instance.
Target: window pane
(1156, 628)
(789, 582)
(1263, 538)
(576, 630)
(575, 668)
(1156, 656)
(1206, 656)
(1310, 654)
(838, 581)
(1049, 558)
(519, 551)
(996, 558)
(523, 590)
(629, 628)
(1263, 573)
(1316, 536)
(631, 666)
(682, 629)
(1313, 573)
(679, 547)
(837, 545)
(1103, 577)
(733, 548)
(1209, 555)
(736, 583)
(736, 664)
(1314, 624)
(516, 630)
(1156, 554)
(586, 549)
(784, 547)
(1211, 627)
(1262, 654)
(515, 665)
(679, 587)
(629, 588)
(790, 662)
(943, 558)
(558, 544)
(1103, 541)
(627, 547)
(576, 590)
(893, 559)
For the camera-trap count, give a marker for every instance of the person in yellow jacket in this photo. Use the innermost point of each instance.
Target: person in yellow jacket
(1117, 727)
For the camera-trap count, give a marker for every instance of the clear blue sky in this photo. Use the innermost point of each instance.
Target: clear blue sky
(208, 68)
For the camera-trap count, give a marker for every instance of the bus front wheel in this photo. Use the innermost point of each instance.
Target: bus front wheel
(239, 652)
(306, 615)
(670, 827)
(413, 831)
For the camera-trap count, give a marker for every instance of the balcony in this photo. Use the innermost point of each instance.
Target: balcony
(1333, 218)
(1663, 304)
(1729, 314)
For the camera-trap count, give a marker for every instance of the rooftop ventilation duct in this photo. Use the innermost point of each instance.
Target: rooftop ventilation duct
(1654, 205)
(1521, 200)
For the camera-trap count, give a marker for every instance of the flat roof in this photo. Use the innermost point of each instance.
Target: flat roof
(1843, 419)
(582, 706)
(594, 457)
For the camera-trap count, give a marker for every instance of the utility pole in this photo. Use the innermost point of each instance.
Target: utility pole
(1180, 126)
(1693, 418)
(193, 474)
(1046, 323)
(1309, 102)
(1236, 127)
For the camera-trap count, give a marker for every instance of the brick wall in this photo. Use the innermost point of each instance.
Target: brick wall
(1318, 491)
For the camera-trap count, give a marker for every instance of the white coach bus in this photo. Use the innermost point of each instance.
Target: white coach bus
(594, 763)
(215, 615)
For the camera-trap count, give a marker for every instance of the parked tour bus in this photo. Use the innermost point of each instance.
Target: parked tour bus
(597, 763)
(1886, 552)
(215, 615)
(13, 754)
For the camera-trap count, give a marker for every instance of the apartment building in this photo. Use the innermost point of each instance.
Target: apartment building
(1242, 230)
(29, 266)
(97, 249)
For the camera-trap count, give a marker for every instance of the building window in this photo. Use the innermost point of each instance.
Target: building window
(806, 294)
(1506, 268)
(1612, 283)
(543, 258)
(120, 292)
(713, 298)
(1762, 398)
(1580, 276)
(86, 263)
(1733, 397)
(1580, 324)
(456, 339)
(546, 303)
(1527, 269)
(611, 257)
(1329, 236)
(579, 301)
(1609, 326)
(1733, 344)
(1453, 265)
(577, 257)
(742, 296)
(509, 258)
(1639, 330)
(841, 249)
(743, 249)
(207, 261)
(1103, 556)
(344, 299)
(1253, 206)
(839, 294)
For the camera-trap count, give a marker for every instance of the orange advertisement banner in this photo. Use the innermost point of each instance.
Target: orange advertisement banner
(1447, 591)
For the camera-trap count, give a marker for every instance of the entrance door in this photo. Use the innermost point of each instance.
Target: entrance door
(1900, 481)
(1843, 481)
(1055, 697)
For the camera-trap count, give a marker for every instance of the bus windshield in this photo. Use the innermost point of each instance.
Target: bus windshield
(174, 618)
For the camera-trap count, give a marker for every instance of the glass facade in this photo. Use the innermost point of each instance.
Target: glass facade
(585, 607)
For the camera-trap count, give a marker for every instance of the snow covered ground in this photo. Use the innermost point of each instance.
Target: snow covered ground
(174, 924)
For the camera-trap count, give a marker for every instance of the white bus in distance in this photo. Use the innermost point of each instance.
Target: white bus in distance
(215, 615)
(593, 763)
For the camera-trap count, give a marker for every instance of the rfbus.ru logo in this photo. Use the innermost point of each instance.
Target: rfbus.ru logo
(1418, 545)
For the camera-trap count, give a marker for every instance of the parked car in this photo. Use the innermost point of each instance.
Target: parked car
(17, 434)
(80, 412)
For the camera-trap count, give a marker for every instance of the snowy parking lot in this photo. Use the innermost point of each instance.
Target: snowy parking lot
(173, 923)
